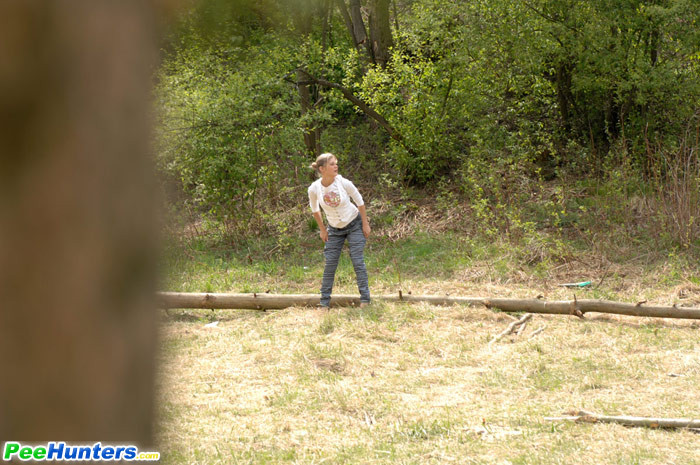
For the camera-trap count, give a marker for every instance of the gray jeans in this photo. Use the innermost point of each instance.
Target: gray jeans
(333, 248)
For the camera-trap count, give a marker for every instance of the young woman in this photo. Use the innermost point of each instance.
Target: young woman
(332, 192)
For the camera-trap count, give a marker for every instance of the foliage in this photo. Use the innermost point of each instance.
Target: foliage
(228, 127)
(543, 77)
(489, 99)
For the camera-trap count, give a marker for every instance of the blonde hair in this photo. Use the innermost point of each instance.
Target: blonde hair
(322, 160)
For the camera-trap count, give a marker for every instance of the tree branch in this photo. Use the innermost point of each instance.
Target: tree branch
(550, 18)
(366, 109)
(649, 422)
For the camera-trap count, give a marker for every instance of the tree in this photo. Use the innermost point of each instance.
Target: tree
(77, 222)
(380, 31)
(378, 45)
(481, 91)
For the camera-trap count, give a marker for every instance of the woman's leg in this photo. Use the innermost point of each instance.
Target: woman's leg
(332, 250)
(356, 243)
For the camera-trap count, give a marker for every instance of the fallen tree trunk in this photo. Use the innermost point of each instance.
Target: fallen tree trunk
(649, 422)
(247, 301)
(278, 301)
(581, 307)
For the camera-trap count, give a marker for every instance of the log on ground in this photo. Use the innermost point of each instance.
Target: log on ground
(279, 301)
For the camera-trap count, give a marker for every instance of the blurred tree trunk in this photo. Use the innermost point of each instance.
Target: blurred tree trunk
(654, 43)
(377, 45)
(356, 27)
(564, 95)
(312, 136)
(342, 7)
(359, 29)
(77, 235)
(325, 29)
(380, 31)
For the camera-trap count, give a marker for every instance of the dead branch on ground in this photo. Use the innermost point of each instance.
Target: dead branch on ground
(583, 416)
(516, 325)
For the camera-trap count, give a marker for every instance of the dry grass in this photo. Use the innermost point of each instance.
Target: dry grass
(415, 384)
(420, 384)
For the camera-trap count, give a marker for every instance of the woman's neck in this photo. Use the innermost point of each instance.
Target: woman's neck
(328, 180)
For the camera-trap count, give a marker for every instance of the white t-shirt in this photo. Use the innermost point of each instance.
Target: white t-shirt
(335, 200)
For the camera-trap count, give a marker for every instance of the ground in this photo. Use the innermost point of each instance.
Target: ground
(419, 384)
(414, 383)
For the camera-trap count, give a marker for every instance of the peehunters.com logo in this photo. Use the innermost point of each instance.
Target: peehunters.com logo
(60, 451)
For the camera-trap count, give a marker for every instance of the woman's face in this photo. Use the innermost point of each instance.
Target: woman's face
(330, 168)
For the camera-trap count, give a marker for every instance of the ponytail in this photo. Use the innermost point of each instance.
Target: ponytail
(322, 160)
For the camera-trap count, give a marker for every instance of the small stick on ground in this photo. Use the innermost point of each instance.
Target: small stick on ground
(520, 329)
(605, 275)
(512, 327)
(537, 331)
(648, 422)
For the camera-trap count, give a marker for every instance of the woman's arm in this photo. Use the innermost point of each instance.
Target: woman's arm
(366, 230)
(316, 210)
(357, 198)
(352, 191)
(323, 232)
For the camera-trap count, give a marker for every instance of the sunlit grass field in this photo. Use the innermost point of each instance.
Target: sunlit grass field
(414, 384)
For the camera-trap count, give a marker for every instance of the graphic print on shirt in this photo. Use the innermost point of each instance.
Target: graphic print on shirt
(331, 198)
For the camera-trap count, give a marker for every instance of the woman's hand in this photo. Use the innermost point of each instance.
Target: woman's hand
(366, 230)
(322, 231)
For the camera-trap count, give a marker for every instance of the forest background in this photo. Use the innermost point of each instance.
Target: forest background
(553, 125)
(503, 148)
(500, 146)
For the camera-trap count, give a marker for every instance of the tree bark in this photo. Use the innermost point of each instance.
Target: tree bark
(325, 13)
(342, 7)
(564, 96)
(312, 136)
(654, 39)
(358, 27)
(273, 301)
(77, 232)
(396, 16)
(380, 31)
